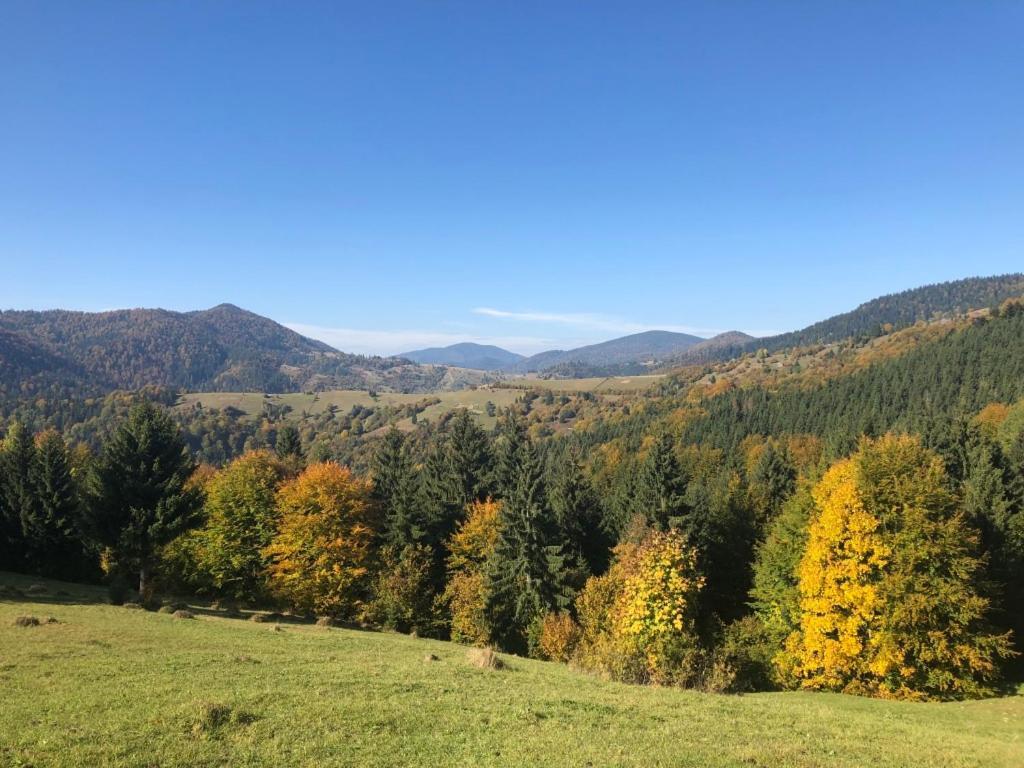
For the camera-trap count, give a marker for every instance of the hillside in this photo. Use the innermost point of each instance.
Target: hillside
(621, 356)
(220, 691)
(886, 313)
(220, 349)
(484, 357)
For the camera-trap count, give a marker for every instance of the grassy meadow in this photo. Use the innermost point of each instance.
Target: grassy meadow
(475, 401)
(109, 686)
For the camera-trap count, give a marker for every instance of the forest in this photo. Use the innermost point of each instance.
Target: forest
(864, 534)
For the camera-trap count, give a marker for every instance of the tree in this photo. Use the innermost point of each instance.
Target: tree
(403, 592)
(771, 483)
(661, 485)
(53, 531)
(889, 582)
(322, 554)
(395, 491)
(241, 519)
(18, 496)
(578, 514)
(470, 551)
(288, 443)
(139, 496)
(525, 576)
(510, 437)
(470, 457)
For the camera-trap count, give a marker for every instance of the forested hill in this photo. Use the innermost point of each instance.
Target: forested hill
(926, 391)
(220, 349)
(886, 313)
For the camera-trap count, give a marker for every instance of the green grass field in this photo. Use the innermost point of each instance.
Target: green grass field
(109, 686)
(251, 403)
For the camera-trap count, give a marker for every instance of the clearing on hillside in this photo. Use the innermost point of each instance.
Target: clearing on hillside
(103, 685)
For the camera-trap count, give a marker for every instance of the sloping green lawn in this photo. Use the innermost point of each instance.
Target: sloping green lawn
(112, 686)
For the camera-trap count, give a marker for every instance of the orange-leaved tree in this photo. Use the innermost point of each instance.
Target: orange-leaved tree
(320, 557)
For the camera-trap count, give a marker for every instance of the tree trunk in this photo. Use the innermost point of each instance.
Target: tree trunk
(143, 581)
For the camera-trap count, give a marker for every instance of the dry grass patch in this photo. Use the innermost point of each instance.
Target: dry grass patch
(485, 658)
(26, 621)
(181, 613)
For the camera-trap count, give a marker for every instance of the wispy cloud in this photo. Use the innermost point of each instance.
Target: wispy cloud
(592, 322)
(393, 342)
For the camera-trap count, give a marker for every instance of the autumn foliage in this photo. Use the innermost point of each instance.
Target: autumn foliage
(889, 583)
(320, 557)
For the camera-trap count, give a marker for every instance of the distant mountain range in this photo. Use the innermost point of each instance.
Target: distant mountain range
(220, 349)
(484, 357)
(58, 352)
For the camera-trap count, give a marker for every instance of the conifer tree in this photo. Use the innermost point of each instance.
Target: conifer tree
(139, 495)
(661, 485)
(395, 491)
(53, 532)
(288, 443)
(510, 437)
(578, 514)
(772, 481)
(525, 578)
(16, 460)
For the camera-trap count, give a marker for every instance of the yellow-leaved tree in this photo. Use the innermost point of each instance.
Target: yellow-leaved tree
(637, 620)
(320, 556)
(466, 592)
(890, 598)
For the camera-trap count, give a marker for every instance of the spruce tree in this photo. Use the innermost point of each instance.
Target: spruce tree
(578, 514)
(470, 457)
(53, 532)
(772, 481)
(288, 443)
(16, 460)
(525, 576)
(395, 491)
(661, 485)
(139, 494)
(510, 437)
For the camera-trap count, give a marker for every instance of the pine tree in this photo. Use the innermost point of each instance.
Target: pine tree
(53, 533)
(288, 443)
(578, 514)
(772, 481)
(16, 461)
(661, 485)
(395, 490)
(525, 577)
(470, 457)
(139, 493)
(510, 437)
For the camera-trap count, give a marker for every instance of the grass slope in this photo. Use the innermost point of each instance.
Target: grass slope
(107, 686)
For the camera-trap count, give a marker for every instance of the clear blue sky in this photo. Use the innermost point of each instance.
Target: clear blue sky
(543, 174)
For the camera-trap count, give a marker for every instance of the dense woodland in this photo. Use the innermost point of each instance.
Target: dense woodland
(853, 529)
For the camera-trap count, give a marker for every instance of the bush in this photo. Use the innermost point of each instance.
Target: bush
(403, 595)
(747, 651)
(558, 637)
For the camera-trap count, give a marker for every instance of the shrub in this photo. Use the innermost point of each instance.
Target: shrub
(403, 595)
(559, 635)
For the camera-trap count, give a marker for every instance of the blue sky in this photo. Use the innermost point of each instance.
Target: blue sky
(534, 174)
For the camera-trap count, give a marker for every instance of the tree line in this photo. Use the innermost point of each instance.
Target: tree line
(891, 571)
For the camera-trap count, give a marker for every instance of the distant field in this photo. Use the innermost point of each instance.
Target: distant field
(474, 400)
(108, 686)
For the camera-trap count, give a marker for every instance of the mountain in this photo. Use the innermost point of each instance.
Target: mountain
(625, 355)
(484, 357)
(884, 314)
(220, 349)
